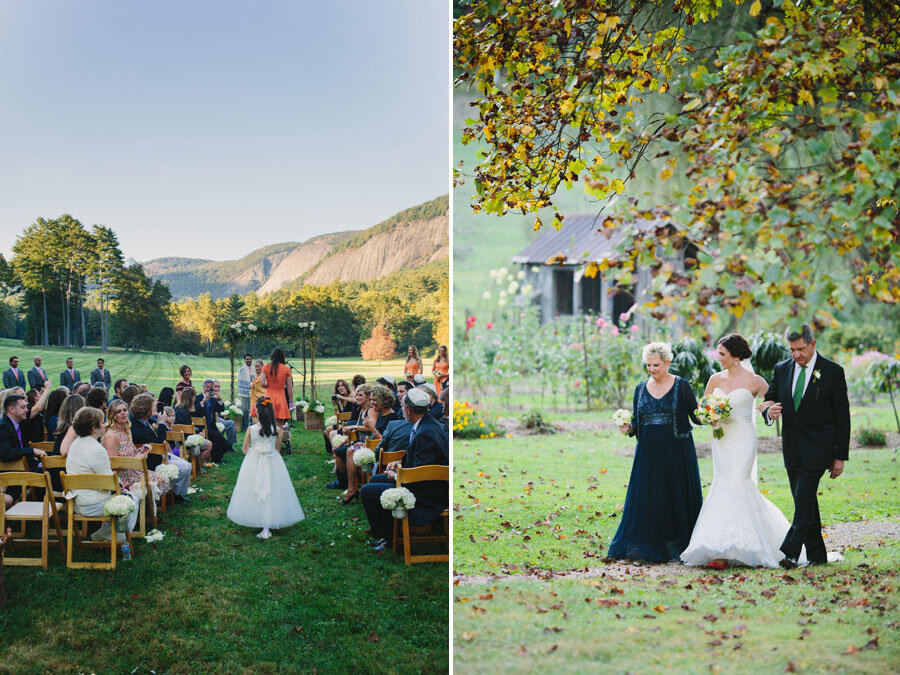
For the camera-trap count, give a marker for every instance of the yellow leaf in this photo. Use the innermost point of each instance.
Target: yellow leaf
(618, 185)
(567, 106)
(537, 224)
(691, 105)
(805, 96)
(665, 174)
(591, 270)
(755, 7)
(731, 175)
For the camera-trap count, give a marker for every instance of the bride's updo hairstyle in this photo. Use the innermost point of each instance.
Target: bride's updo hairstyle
(265, 413)
(736, 345)
(660, 349)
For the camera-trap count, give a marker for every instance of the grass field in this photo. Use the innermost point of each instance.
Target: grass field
(159, 369)
(211, 597)
(536, 504)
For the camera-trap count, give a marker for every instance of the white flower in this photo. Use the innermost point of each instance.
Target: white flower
(503, 294)
(492, 274)
(535, 269)
(621, 417)
(302, 324)
(251, 327)
(486, 295)
(398, 497)
(817, 374)
(364, 457)
(119, 506)
(220, 427)
(526, 290)
(502, 272)
(312, 325)
(513, 287)
(236, 409)
(319, 408)
(338, 441)
(520, 275)
(510, 277)
(169, 471)
(194, 440)
(331, 421)
(303, 405)
(154, 536)
(501, 302)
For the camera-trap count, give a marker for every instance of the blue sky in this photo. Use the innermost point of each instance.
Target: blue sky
(209, 129)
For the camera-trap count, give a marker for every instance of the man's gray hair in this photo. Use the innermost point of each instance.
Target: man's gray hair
(208, 380)
(805, 333)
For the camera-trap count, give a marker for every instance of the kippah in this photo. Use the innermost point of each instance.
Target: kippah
(417, 398)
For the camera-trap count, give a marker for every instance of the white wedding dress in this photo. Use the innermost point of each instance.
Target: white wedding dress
(264, 495)
(736, 522)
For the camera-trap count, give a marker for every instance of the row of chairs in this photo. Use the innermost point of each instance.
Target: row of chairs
(409, 534)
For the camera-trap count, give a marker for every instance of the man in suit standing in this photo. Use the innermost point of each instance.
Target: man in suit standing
(13, 377)
(69, 376)
(428, 444)
(809, 393)
(37, 376)
(101, 374)
(13, 444)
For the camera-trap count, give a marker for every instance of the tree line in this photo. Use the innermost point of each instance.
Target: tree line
(71, 286)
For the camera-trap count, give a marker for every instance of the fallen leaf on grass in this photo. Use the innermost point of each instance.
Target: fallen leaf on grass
(468, 636)
(373, 637)
(521, 651)
(553, 629)
(851, 651)
(711, 617)
(660, 608)
(791, 667)
(297, 629)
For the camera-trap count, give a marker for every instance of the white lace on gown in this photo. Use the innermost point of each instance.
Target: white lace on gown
(736, 522)
(264, 495)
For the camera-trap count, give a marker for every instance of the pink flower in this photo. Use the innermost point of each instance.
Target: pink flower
(600, 322)
(614, 330)
(497, 371)
(489, 325)
(623, 317)
(578, 383)
(634, 329)
(470, 322)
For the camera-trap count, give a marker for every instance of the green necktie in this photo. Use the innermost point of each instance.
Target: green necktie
(798, 390)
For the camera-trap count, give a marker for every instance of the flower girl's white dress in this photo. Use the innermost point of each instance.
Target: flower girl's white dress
(264, 495)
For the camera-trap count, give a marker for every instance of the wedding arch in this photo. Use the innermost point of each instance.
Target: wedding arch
(303, 334)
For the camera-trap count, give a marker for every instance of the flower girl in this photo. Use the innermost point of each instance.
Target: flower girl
(264, 495)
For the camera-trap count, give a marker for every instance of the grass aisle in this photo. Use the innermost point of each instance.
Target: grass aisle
(211, 597)
(533, 519)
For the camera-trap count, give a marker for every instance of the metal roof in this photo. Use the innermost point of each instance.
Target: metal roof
(580, 239)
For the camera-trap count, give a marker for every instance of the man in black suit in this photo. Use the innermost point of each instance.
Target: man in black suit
(69, 376)
(101, 374)
(12, 376)
(13, 444)
(428, 444)
(809, 393)
(206, 405)
(36, 376)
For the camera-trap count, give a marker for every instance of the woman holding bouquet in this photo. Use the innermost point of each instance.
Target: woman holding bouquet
(663, 498)
(413, 362)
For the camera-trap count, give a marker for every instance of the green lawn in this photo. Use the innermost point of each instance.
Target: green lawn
(541, 503)
(211, 597)
(159, 369)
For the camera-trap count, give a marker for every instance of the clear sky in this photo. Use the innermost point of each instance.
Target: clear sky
(210, 128)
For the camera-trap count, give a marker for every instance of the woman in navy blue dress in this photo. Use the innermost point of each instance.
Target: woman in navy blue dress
(664, 497)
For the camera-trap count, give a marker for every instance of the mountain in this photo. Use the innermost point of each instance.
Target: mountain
(412, 238)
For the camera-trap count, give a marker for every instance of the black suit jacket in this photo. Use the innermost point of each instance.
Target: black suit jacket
(430, 445)
(106, 379)
(66, 380)
(142, 433)
(818, 432)
(10, 447)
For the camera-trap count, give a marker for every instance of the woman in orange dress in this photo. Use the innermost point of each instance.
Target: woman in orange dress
(413, 363)
(440, 368)
(275, 375)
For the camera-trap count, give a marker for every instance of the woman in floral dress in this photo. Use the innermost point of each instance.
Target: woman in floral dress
(117, 441)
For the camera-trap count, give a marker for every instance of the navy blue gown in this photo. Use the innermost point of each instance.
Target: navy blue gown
(664, 496)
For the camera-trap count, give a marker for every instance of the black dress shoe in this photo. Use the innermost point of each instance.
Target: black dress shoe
(179, 499)
(348, 500)
(788, 563)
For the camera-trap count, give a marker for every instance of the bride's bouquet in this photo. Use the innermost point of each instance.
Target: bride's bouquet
(169, 471)
(621, 417)
(364, 459)
(398, 501)
(119, 507)
(712, 409)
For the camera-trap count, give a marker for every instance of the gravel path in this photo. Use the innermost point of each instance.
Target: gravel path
(861, 534)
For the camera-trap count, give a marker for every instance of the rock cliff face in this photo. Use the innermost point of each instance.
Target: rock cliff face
(404, 247)
(409, 239)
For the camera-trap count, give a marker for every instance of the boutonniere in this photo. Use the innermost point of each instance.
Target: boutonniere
(817, 374)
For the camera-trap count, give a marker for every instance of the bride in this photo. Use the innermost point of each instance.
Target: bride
(736, 524)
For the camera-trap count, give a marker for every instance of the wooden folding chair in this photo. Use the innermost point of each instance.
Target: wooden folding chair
(173, 437)
(39, 511)
(139, 464)
(388, 457)
(91, 481)
(46, 446)
(20, 464)
(162, 450)
(200, 422)
(188, 430)
(342, 419)
(428, 472)
(55, 462)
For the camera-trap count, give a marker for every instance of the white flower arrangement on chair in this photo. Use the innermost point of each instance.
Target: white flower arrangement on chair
(169, 471)
(398, 501)
(365, 460)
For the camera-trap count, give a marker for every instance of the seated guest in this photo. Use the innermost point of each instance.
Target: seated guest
(57, 396)
(100, 375)
(388, 382)
(34, 423)
(444, 398)
(394, 438)
(429, 444)
(118, 388)
(230, 433)
(13, 445)
(144, 389)
(357, 424)
(435, 407)
(118, 443)
(65, 435)
(96, 398)
(128, 394)
(208, 407)
(185, 380)
(82, 388)
(166, 398)
(184, 411)
(402, 389)
(381, 408)
(69, 376)
(86, 455)
(144, 431)
(340, 402)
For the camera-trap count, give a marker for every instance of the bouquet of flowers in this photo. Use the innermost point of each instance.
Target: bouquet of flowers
(154, 536)
(193, 443)
(398, 501)
(119, 507)
(338, 441)
(170, 471)
(364, 459)
(713, 409)
(235, 410)
(621, 417)
(220, 427)
(331, 421)
(317, 406)
(303, 405)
